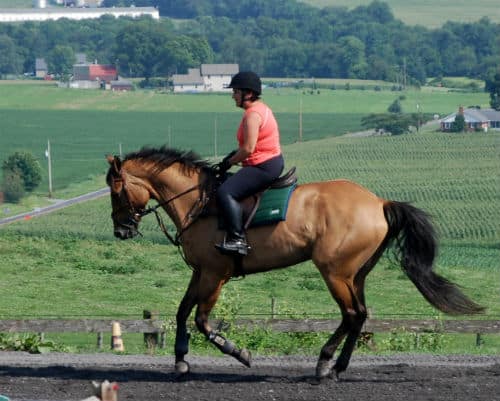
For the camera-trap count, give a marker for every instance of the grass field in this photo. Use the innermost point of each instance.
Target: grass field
(83, 126)
(67, 264)
(428, 13)
(70, 257)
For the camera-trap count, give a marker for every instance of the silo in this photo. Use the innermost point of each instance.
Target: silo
(40, 3)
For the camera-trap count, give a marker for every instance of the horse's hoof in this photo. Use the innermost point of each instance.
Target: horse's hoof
(181, 367)
(245, 357)
(323, 369)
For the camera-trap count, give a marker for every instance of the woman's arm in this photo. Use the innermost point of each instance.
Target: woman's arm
(251, 127)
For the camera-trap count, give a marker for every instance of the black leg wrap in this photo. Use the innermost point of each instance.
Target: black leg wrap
(226, 346)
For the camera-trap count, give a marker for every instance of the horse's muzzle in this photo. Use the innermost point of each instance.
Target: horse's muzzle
(125, 232)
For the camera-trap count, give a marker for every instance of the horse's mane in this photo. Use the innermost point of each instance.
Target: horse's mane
(163, 157)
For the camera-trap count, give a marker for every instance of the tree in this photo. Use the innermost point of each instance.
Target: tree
(10, 61)
(493, 87)
(13, 187)
(395, 107)
(396, 124)
(26, 166)
(459, 124)
(61, 59)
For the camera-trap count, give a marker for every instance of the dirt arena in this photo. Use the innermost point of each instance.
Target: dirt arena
(68, 377)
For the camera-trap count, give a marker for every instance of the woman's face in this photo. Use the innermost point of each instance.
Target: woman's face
(238, 97)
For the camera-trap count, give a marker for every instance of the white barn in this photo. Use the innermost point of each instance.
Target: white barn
(207, 78)
(55, 13)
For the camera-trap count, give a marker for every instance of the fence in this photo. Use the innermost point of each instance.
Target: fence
(155, 332)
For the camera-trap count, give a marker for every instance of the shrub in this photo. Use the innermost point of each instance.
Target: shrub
(13, 187)
(26, 166)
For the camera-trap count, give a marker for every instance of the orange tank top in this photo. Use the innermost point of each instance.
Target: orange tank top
(268, 140)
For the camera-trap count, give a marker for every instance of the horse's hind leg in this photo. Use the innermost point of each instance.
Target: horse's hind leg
(353, 317)
(207, 299)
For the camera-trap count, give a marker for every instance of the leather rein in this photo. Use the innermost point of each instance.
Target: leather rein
(191, 216)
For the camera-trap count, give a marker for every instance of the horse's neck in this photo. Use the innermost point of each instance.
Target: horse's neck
(179, 193)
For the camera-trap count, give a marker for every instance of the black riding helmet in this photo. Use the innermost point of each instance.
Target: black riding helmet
(247, 80)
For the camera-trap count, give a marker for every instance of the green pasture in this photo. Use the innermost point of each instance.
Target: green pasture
(71, 265)
(83, 126)
(67, 263)
(431, 14)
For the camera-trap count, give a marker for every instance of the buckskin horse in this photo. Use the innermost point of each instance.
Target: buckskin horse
(339, 225)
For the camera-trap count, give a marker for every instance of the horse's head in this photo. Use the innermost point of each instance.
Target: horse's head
(128, 199)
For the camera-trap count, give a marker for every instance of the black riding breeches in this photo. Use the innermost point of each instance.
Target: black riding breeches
(245, 182)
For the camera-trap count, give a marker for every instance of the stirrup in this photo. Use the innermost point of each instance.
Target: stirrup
(238, 246)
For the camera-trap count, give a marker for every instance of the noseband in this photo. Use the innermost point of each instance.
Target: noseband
(135, 214)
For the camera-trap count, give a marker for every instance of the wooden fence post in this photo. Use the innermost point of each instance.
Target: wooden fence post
(150, 339)
(99, 340)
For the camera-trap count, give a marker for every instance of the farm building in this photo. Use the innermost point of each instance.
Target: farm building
(75, 13)
(94, 72)
(121, 85)
(40, 68)
(475, 119)
(207, 78)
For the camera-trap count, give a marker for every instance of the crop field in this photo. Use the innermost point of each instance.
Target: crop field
(83, 126)
(431, 14)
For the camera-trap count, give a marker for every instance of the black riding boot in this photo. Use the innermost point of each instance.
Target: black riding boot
(234, 241)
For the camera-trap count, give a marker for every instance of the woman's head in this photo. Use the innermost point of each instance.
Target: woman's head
(247, 83)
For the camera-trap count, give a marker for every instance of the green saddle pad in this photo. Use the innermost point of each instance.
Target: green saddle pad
(273, 206)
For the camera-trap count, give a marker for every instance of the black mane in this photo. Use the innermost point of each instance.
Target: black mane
(163, 157)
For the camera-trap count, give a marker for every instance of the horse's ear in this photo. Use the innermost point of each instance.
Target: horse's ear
(115, 162)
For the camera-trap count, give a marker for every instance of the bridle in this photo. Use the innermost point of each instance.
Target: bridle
(135, 214)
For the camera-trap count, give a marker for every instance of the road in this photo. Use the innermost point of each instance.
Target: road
(56, 206)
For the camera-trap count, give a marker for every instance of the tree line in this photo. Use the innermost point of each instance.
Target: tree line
(281, 38)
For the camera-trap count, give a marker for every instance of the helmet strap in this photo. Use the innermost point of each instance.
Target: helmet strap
(244, 93)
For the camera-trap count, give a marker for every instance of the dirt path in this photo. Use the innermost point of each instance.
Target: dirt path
(67, 377)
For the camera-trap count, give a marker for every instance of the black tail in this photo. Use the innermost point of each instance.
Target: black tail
(416, 247)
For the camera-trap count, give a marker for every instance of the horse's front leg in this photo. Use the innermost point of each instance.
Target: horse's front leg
(222, 343)
(182, 334)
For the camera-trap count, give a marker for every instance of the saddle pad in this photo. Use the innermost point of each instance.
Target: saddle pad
(273, 206)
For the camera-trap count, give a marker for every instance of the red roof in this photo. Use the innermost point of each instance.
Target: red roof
(103, 72)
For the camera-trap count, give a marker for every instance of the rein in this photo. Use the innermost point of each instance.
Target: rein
(175, 240)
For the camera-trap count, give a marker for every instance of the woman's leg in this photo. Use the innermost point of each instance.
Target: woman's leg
(245, 182)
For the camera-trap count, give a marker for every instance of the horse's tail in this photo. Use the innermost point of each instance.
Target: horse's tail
(416, 248)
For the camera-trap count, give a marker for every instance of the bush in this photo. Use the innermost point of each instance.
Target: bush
(13, 187)
(26, 166)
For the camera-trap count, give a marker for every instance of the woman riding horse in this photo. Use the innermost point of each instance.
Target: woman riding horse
(259, 152)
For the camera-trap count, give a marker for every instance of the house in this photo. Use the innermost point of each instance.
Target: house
(207, 78)
(41, 70)
(190, 82)
(475, 119)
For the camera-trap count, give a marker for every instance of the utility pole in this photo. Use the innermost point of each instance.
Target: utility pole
(300, 120)
(49, 161)
(215, 136)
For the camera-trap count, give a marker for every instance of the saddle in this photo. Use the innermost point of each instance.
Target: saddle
(270, 205)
